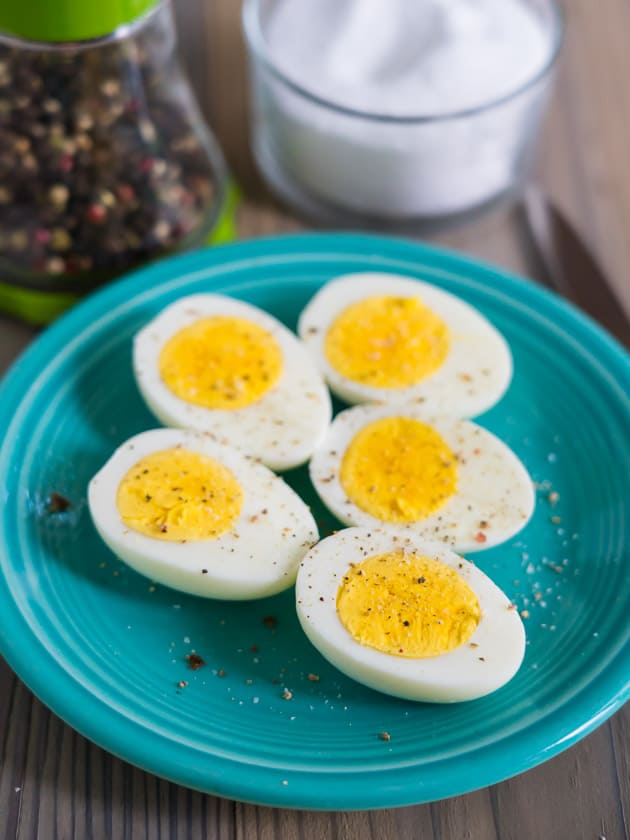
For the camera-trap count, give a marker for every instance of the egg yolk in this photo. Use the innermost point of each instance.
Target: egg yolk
(387, 342)
(407, 605)
(221, 362)
(398, 470)
(178, 496)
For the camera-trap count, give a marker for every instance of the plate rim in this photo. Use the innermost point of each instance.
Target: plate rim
(101, 722)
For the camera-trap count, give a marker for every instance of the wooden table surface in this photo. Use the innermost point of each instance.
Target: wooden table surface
(55, 784)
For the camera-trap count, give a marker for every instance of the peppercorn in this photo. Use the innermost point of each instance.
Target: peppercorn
(101, 164)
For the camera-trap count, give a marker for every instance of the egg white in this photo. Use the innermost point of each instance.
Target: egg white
(492, 486)
(281, 429)
(474, 376)
(484, 663)
(258, 557)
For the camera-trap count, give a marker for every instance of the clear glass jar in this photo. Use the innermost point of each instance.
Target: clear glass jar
(351, 166)
(105, 160)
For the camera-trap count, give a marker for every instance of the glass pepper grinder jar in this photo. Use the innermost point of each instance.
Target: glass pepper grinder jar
(105, 160)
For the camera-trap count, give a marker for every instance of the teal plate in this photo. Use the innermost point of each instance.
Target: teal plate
(105, 650)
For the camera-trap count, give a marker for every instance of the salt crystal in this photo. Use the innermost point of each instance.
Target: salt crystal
(401, 59)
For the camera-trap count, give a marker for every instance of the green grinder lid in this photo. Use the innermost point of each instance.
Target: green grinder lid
(56, 21)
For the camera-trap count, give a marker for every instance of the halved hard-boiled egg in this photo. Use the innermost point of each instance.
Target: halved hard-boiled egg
(197, 515)
(216, 364)
(383, 338)
(408, 617)
(445, 479)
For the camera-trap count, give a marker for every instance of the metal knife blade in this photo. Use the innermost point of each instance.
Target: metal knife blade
(572, 269)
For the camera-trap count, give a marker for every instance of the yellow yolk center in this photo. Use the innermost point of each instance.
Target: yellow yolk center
(387, 342)
(178, 495)
(407, 605)
(221, 362)
(398, 470)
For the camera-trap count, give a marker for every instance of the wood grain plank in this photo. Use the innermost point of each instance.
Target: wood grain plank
(194, 45)
(152, 819)
(220, 818)
(583, 800)
(619, 729)
(471, 817)
(315, 826)
(55, 811)
(600, 126)
(404, 823)
(33, 794)
(493, 238)
(559, 167)
(97, 816)
(229, 99)
(14, 735)
(14, 337)
(582, 804)
(354, 824)
(54, 784)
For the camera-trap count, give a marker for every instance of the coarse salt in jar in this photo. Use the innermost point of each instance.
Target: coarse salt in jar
(387, 110)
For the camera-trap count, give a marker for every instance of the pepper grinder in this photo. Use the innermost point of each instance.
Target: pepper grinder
(105, 160)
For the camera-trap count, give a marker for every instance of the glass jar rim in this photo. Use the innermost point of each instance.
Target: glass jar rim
(257, 45)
